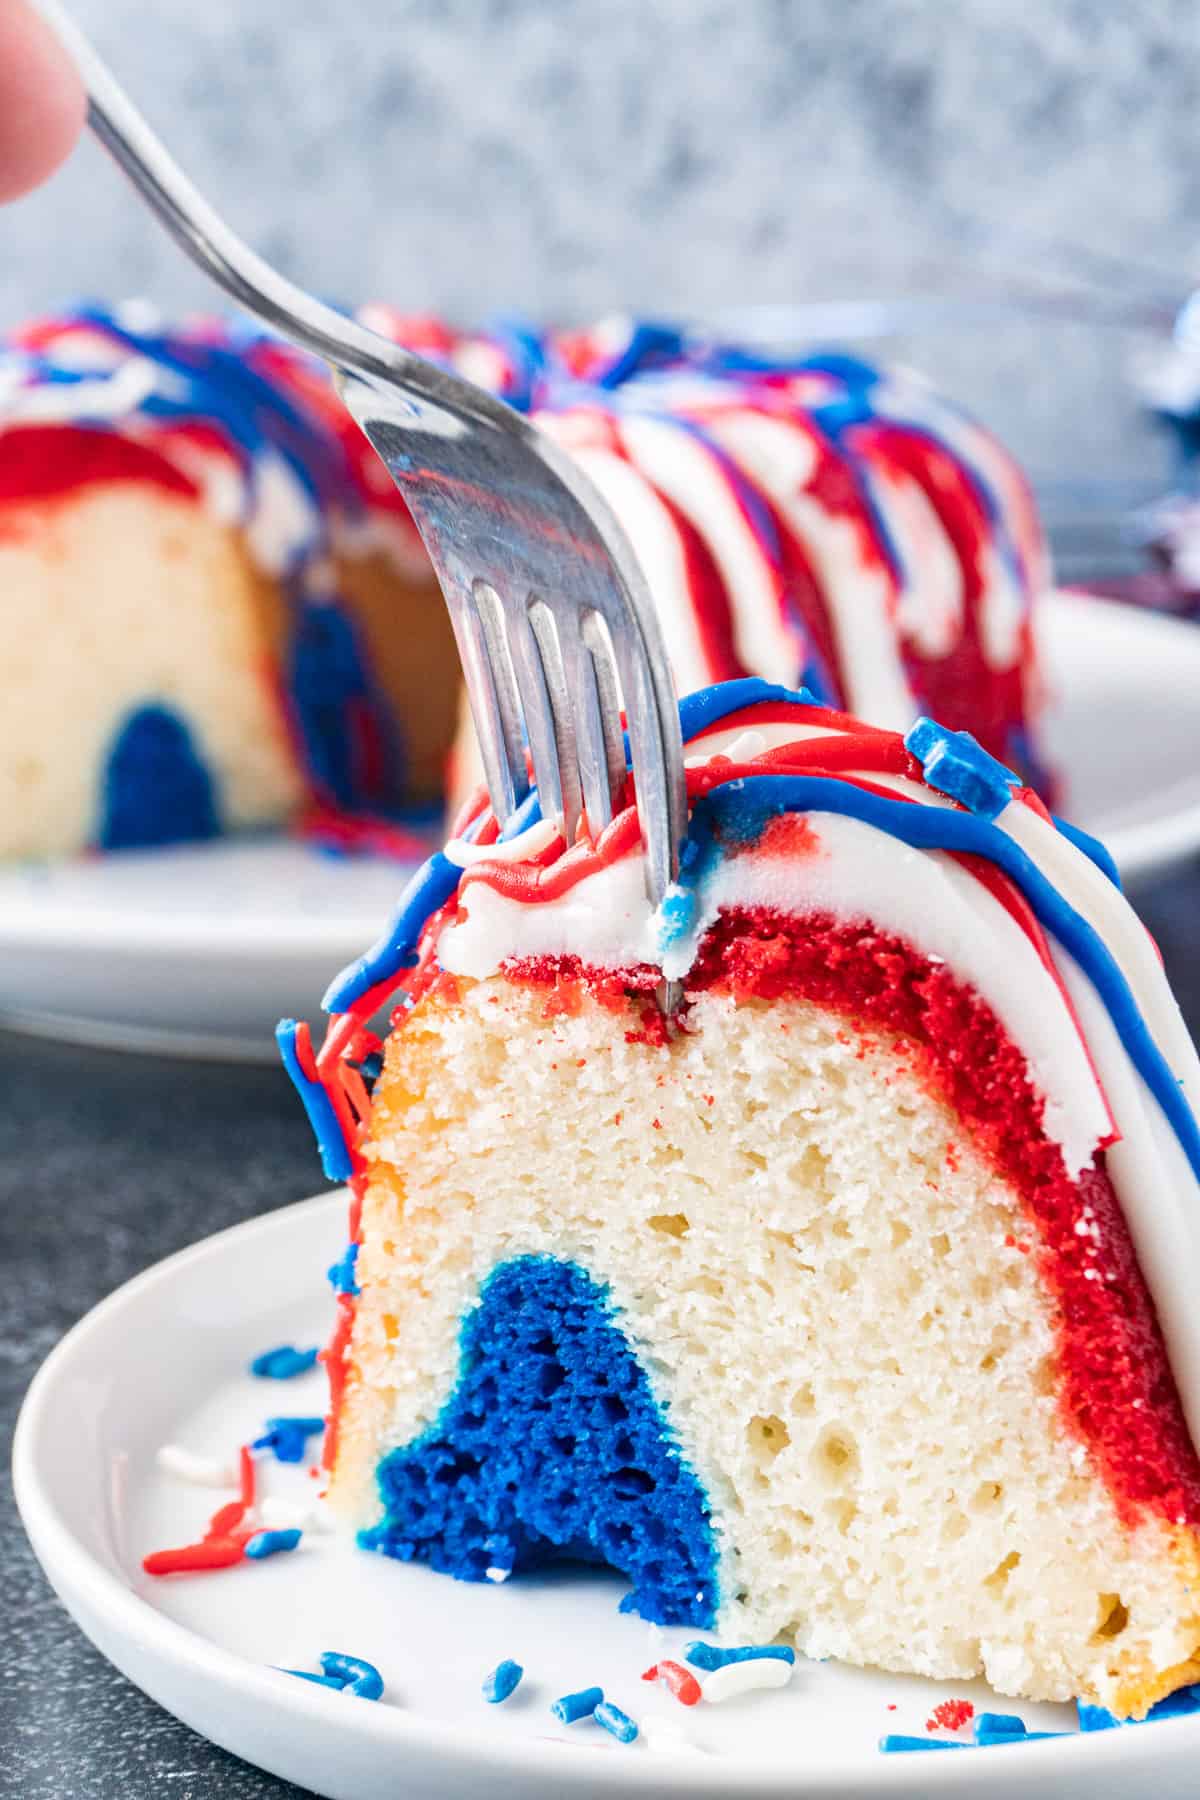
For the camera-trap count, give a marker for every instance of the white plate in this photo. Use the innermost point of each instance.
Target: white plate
(162, 1360)
(201, 950)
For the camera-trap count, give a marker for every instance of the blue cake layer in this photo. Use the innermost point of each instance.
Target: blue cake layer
(155, 788)
(552, 1444)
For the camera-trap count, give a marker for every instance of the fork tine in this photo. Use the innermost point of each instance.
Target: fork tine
(492, 693)
(598, 723)
(661, 809)
(546, 702)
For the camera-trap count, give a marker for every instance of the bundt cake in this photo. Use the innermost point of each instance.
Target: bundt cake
(852, 1305)
(216, 609)
(222, 614)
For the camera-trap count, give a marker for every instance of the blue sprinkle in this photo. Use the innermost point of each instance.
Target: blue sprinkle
(711, 1656)
(993, 1725)
(342, 1278)
(893, 1744)
(1177, 1705)
(1095, 1718)
(357, 1676)
(1023, 1737)
(287, 1439)
(504, 1680)
(622, 1727)
(326, 1681)
(269, 1543)
(578, 1706)
(956, 765)
(283, 1362)
(1184, 1700)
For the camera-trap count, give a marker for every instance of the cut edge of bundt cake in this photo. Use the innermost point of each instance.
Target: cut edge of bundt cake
(851, 1303)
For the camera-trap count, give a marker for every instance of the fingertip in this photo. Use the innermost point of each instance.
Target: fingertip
(42, 101)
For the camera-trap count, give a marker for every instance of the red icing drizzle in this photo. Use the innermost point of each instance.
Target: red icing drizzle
(44, 462)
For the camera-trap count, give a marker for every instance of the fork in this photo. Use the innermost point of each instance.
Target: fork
(551, 612)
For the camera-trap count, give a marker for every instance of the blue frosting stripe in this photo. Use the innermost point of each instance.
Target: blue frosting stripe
(552, 1444)
(430, 887)
(700, 711)
(335, 1154)
(1092, 848)
(739, 811)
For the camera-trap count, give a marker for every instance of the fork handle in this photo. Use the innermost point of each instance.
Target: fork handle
(210, 243)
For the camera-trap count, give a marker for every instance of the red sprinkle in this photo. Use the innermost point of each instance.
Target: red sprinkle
(677, 1680)
(224, 1520)
(246, 1475)
(213, 1553)
(951, 1715)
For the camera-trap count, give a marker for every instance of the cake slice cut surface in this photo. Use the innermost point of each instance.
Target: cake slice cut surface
(849, 1307)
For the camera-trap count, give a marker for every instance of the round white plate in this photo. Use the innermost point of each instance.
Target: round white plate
(201, 950)
(163, 1360)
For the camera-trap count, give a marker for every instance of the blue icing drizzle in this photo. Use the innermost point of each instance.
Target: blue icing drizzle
(552, 1444)
(739, 811)
(1092, 848)
(154, 788)
(335, 1154)
(428, 888)
(700, 711)
(342, 1276)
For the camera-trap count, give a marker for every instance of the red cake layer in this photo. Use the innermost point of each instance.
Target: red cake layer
(1117, 1391)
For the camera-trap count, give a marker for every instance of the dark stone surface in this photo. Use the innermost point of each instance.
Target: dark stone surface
(109, 1163)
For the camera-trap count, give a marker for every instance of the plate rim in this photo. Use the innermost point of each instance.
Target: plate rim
(73, 1570)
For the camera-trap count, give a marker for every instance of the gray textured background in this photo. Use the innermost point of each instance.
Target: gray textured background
(572, 156)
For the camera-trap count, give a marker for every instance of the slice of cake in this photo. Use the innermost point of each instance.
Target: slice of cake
(819, 520)
(853, 1305)
(211, 622)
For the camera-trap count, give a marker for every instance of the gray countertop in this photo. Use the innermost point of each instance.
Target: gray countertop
(109, 1163)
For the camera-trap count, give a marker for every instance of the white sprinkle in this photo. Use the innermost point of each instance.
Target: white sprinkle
(497, 1574)
(201, 1471)
(740, 1677)
(279, 1514)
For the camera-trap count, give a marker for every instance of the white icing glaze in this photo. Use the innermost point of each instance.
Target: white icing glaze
(657, 545)
(779, 455)
(682, 467)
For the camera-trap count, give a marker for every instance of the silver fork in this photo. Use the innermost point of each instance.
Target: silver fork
(553, 618)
